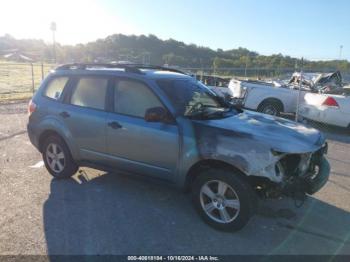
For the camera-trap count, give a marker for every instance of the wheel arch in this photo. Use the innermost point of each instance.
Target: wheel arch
(50, 132)
(195, 169)
(47, 133)
(53, 126)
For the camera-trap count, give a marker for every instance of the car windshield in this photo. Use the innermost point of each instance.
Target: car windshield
(193, 99)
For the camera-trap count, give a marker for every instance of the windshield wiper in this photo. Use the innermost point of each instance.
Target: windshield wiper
(219, 113)
(203, 112)
(197, 108)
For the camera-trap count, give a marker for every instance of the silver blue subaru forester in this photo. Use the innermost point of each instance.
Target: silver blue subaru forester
(163, 123)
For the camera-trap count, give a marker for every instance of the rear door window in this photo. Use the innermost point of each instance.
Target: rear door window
(90, 92)
(55, 87)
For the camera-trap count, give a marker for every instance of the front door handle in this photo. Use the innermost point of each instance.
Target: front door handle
(64, 114)
(115, 125)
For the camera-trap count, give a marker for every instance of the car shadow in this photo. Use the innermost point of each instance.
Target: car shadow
(118, 214)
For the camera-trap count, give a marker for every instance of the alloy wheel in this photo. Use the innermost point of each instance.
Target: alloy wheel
(219, 201)
(55, 157)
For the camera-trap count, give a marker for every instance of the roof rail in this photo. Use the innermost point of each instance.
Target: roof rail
(131, 68)
(156, 67)
(83, 66)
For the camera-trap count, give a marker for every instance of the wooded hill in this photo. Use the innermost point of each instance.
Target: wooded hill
(150, 49)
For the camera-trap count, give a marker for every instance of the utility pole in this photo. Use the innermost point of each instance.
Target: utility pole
(246, 66)
(340, 54)
(146, 58)
(299, 93)
(53, 29)
(340, 51)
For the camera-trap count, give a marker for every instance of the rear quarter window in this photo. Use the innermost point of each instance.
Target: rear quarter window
(55, 87)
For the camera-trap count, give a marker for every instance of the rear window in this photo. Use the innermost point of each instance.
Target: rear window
(90, 92)
(55, 87)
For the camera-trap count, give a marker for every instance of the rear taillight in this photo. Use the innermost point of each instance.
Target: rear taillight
(31, 107)
(330, 101)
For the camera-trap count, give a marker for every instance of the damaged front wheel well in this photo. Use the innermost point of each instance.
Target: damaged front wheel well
(208, 163)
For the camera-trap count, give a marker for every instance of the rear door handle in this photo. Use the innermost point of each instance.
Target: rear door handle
(115, 125)
(64, 114)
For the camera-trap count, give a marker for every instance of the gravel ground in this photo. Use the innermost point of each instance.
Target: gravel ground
(103, 213)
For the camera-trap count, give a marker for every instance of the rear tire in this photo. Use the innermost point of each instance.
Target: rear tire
(271, 107)
(222, 199)
(57, 158)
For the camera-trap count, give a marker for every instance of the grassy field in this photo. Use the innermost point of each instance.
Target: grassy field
(17, 80)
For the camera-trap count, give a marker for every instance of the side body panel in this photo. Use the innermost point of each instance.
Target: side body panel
(87, 128)
(143, 147)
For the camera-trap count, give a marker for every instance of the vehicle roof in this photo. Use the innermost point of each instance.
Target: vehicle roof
(126, 71)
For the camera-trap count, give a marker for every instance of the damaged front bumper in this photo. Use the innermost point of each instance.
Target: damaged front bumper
(316, 177)
(299, 174)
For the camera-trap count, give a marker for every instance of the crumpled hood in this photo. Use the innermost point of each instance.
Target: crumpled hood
(279, 134)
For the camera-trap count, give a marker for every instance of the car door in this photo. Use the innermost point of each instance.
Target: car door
(134, 144)
(84, 115)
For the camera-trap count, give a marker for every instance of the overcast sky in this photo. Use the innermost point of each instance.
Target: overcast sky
(314, 29)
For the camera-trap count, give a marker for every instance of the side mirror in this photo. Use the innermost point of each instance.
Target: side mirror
(156, 114)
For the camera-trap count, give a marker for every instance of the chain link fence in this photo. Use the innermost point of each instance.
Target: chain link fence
(20, 80)
(256, 72)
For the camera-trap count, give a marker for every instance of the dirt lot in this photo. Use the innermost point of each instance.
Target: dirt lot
(99, 213)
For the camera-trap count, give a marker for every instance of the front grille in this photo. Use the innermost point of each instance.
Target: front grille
(290, 163)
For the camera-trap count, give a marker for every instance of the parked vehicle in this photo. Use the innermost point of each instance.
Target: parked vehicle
(161, 123)
(267, 98)
(328, 109)
(275, 97)
(317, 82)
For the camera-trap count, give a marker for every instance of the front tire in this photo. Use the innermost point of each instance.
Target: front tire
(57, 158)
(223, 199)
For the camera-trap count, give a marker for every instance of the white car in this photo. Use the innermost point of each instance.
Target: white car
(325, 108)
